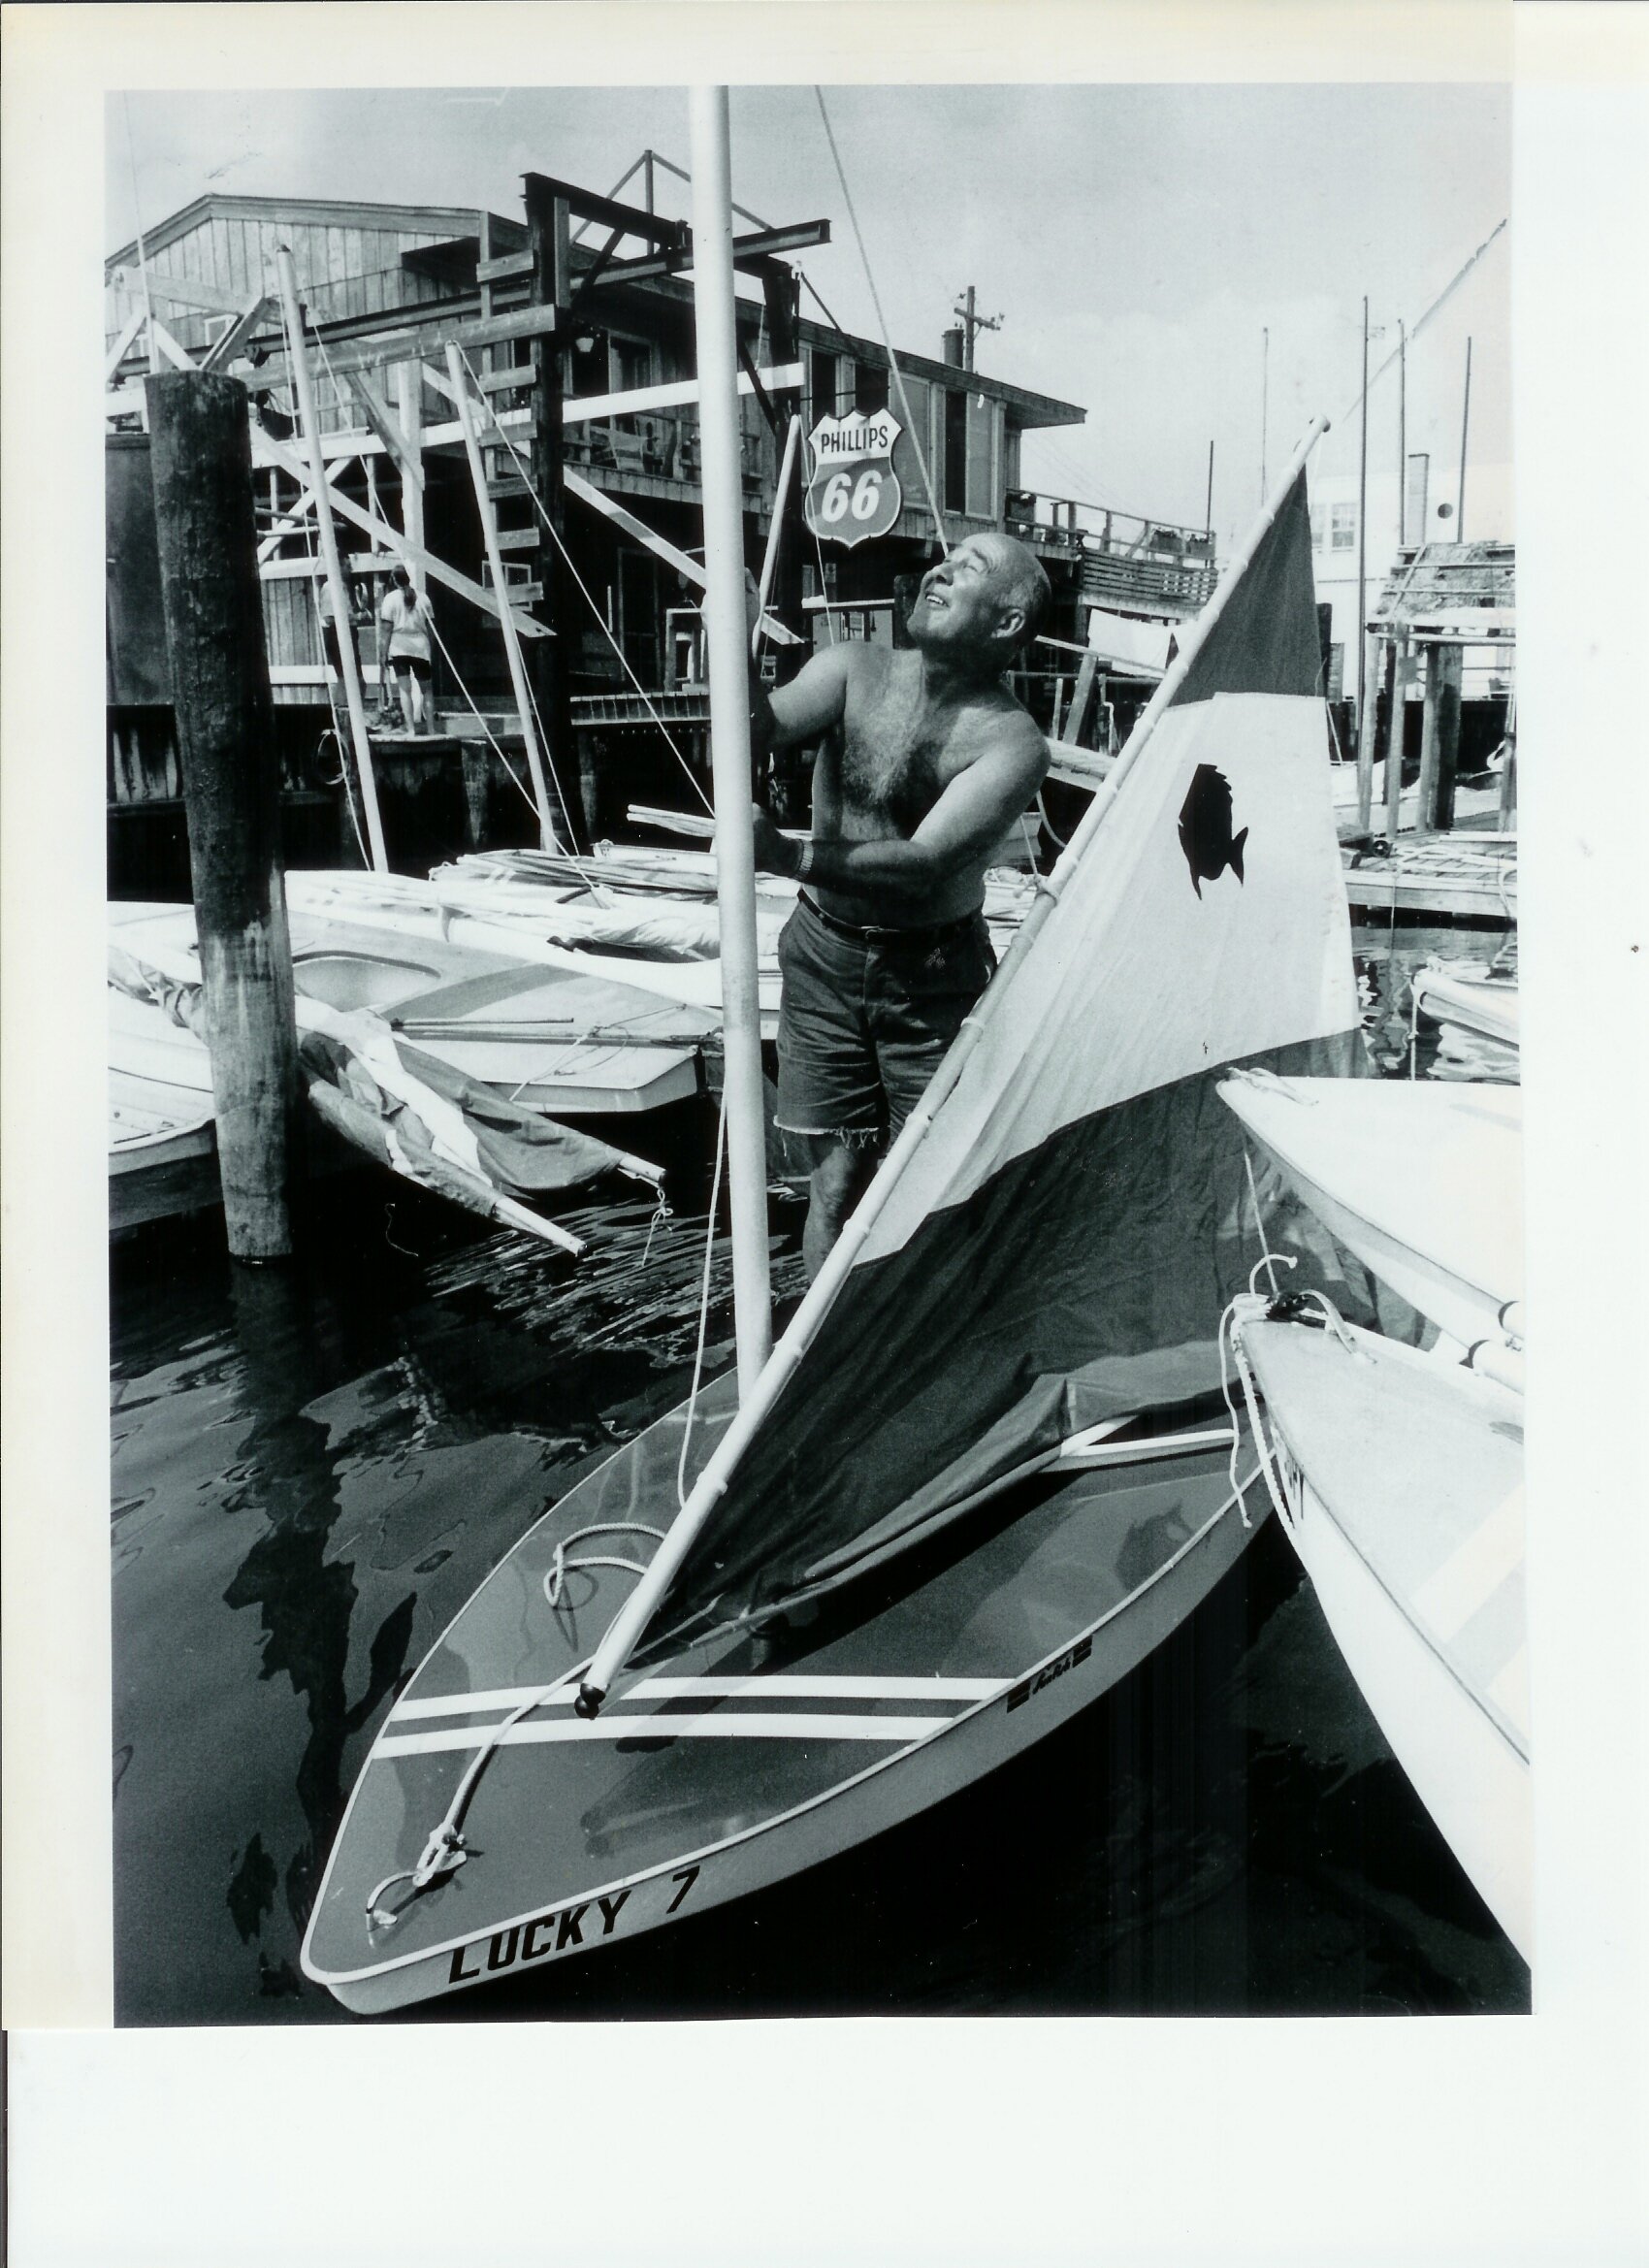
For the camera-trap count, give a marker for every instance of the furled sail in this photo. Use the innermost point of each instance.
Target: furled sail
(1059, 1244)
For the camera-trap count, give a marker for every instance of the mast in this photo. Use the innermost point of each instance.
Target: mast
(715, 315)
(339, 589)
(624, 1633)
(1465, 428)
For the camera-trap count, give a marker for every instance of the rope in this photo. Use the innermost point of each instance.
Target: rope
(555, 1575)
(601, 620)
(331, 732)
(525, 792)
(886, 339)
(1259, 1218)
(447, 1850)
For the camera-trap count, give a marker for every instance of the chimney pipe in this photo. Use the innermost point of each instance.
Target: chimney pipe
(954, 347)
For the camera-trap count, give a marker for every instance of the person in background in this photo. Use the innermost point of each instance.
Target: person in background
(404, 650)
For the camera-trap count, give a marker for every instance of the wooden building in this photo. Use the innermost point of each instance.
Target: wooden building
(575, 333)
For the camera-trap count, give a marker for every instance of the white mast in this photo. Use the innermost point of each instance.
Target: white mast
(310, 423)
(727, 642)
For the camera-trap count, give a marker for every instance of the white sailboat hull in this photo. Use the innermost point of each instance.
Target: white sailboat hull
(1422, 1183)
(1402, 1480)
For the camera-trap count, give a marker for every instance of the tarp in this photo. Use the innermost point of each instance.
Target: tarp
(1081, 1198)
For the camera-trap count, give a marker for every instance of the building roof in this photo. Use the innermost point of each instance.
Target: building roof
(304, 213)
(459, 226)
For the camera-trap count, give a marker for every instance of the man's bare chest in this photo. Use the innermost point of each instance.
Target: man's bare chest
(898, 754)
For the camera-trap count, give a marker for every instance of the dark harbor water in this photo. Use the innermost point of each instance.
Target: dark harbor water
(313, 1470)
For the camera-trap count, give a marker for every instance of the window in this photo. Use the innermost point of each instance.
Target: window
(870, 388)
(822, 384)
(1317, 531)
(954, 495)
(1343, 527)
(982, 457)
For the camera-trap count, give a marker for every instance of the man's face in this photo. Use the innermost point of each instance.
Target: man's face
(964, 601)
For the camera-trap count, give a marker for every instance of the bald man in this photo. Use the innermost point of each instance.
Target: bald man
(926, 760)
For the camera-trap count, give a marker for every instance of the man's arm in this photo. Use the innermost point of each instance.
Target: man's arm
(966, 822)
(803, 710)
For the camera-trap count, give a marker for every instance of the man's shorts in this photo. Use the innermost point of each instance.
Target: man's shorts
(867, 1017)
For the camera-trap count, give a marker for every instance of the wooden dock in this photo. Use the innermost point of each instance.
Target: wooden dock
(1455, 877)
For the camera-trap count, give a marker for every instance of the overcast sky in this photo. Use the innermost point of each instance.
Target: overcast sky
(1137, 241)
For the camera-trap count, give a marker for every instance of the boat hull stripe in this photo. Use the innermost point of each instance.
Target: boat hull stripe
(893, 1730)
(778, 1688)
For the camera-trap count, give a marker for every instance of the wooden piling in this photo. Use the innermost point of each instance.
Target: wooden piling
(213, 602)
(1397, 718)
(1368, 720)
(1450, 676)
(1425, 815)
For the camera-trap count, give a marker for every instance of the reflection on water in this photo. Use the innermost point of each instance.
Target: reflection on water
(313, 1469)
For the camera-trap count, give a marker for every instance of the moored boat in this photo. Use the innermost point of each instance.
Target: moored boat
(1400, 1480)
(568, 1043)
(1470, 997)
(1424, 1184)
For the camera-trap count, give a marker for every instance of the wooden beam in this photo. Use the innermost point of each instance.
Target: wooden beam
(180, 291)
(750, 252)
(505, 267)
(266, 450)
(238, 331)
(179, 357)
(547, 836)
(609, 509)
(380, 418)
(678, 394)
(636, 221)
(113, 360)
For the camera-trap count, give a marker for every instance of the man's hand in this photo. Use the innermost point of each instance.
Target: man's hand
(775, 853)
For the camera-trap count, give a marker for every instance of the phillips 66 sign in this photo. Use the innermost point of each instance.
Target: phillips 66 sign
(852, 492)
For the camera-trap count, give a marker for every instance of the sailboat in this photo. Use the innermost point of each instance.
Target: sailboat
(987, 1467)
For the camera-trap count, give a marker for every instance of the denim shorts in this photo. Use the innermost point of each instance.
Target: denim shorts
(867, 1017)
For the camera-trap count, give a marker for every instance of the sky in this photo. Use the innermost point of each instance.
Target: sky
(1138, 242)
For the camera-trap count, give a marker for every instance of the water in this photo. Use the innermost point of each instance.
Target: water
(313, 1469)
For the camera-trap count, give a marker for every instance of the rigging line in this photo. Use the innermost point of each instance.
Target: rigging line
(1414, 329)
(458, 679)
(819, 297)
(703, 1296)
(887, 335)
(331, 732)
(623, 658)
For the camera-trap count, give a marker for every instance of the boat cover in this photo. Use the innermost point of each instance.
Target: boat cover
(1081, 1198)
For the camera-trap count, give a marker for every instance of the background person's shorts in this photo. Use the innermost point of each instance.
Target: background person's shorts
(414, 665)
(867, 1017)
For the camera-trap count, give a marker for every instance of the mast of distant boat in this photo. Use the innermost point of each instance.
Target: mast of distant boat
(727, 641)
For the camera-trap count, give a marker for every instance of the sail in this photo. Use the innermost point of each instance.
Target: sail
(1059, 1246)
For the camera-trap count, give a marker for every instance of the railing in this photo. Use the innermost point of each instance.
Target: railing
(658, 445)
(1083, 526)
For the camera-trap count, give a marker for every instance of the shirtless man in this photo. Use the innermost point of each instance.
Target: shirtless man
(925, 762)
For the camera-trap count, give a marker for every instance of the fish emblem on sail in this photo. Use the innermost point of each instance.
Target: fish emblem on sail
(1204, 828)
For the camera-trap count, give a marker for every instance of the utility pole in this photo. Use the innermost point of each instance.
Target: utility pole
(1207, 507)
(1402, 434)
(971, 323)
(1465, 424)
